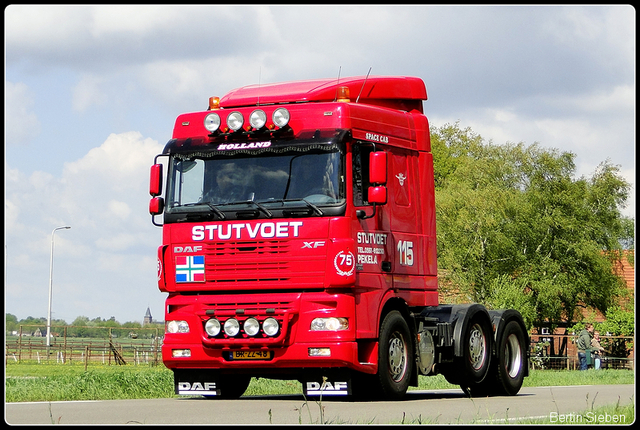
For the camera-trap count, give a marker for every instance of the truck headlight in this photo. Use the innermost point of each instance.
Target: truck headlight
(329, 324)
(251, 326)
(258, 119)
(212, 122)
(270, 326)
(281, 117)
(177, 327)
(212, 327)
(231, 327)
(235, 121)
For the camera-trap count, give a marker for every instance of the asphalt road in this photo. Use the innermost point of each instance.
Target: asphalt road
(564, 404)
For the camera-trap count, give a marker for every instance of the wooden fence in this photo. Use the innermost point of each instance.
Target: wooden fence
(135, 349)
(143, 346)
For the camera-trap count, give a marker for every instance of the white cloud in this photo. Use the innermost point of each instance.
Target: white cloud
(121, 162)
(561, 76)
(103, 197)
(603, 101)
(116, 243)
(21, 121)
(88, 93)
(119, 209)
(136, 20)
(45, 27)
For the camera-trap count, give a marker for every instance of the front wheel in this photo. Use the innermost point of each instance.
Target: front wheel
(395, 356)
(233, 386)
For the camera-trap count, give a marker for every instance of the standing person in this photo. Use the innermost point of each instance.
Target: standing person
(597, 349)
(584, 345)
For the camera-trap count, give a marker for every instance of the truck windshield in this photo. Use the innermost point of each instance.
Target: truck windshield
(283, 181)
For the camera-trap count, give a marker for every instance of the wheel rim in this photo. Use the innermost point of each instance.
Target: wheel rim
(512, 356)
(477, 347)
(397, 357)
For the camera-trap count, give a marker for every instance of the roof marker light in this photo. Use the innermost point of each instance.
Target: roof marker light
(343, 95)
(214, 103)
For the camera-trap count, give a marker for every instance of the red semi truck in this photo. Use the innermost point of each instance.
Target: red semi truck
(299, 242)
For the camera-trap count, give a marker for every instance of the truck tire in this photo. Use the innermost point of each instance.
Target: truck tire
(511, 360)
(395, 356)
(508, 368)
(233, 386)
(476, 351)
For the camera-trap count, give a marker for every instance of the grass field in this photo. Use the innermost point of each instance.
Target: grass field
(33, 382)
(30, 382)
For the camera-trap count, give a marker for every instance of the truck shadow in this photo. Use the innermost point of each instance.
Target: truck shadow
(416, 395)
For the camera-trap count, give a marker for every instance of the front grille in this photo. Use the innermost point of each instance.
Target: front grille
(242, 262)
(228, 249)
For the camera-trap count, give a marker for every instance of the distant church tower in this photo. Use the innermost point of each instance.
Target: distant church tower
(147, 317)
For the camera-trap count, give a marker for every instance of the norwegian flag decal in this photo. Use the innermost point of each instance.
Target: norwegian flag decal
(190, 268)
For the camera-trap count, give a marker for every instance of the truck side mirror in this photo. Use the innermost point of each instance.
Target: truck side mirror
(155, 183)
(378, 167)
(378, 177)
(378, 195)
(156, 206)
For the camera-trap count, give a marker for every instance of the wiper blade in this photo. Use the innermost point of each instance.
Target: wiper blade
(314, 207)
(211, 206)
(261, 208)
(216, 210)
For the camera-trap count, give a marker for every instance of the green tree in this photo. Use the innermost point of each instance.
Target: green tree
(79, 327)
(619, 321)
(31, 324)
(515, 230)
(11, 323)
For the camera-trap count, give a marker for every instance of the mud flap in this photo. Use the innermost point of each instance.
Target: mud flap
(336, 384)
(195, 383)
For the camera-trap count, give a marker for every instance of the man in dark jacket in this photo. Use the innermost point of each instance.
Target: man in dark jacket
(584, 345)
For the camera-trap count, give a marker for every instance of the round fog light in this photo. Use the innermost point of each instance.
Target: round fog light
(235, 121)
(258, 119)
(281, 117)
(271, 326)
(251, 326)
(212, 122)
(212, 327)
(231, 327)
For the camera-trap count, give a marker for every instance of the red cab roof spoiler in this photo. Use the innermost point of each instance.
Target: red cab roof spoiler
(379, 90)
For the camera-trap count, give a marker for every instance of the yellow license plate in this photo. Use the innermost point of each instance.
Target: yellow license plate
(251, 355)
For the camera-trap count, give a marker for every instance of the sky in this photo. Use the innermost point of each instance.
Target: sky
(92, 93)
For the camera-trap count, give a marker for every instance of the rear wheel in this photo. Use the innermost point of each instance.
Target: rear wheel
(476, 352)
(509, 367)
(512, 362)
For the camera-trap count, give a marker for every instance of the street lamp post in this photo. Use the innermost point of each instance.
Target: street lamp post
(51, 288)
